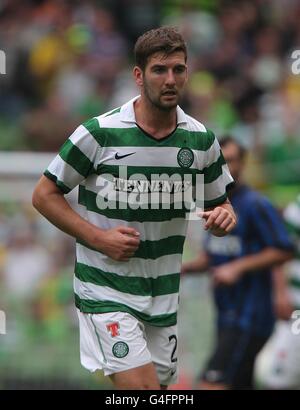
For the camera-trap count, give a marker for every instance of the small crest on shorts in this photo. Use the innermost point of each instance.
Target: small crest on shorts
(185, 157)
(120, 349)
(113, 328)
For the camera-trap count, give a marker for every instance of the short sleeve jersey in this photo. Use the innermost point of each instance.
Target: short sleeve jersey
(248, 303)
(118, 167)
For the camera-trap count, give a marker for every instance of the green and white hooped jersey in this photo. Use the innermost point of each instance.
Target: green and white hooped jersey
(291, 216)
(95, 157)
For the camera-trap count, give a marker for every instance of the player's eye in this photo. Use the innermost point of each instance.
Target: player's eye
(159, 70)
(179, 69)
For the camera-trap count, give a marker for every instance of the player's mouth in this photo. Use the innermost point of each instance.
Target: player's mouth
(169, 94)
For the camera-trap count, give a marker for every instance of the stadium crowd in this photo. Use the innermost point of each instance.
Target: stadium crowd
(67, 61)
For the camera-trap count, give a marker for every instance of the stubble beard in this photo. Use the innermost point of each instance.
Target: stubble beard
(156, 102)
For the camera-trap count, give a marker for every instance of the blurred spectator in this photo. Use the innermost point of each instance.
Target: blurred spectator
(25, 262)
(240, 265)
(45, 127)
(66, 61)
(136, 16)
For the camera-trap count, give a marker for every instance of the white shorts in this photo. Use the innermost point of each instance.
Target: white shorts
(277, 365)
(118, 341)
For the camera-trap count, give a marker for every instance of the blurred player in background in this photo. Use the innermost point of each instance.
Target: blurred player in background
(240, 265)
(128, 259)
(278, 364)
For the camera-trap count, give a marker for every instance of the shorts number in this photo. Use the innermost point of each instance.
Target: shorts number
(173, 359)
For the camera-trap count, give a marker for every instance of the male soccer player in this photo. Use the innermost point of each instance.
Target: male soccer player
(241, 272)
(278, 364)
(128, 258)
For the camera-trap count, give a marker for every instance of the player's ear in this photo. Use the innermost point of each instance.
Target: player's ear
(138, 76)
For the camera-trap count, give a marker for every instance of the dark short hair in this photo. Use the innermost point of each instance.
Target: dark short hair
(164, 39)
(228, 139)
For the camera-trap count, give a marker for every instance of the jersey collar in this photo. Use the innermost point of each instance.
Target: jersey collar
(127, 112)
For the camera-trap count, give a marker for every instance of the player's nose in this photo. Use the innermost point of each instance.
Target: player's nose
(170, 80)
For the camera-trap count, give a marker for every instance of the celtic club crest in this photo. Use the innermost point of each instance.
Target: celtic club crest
(185, 157)
(120, 349)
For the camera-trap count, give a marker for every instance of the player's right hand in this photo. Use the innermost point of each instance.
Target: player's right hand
(119, 243)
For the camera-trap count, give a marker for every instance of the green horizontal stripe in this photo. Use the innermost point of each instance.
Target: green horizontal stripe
(91, 306)
(218, 201)
(294, 282)
(93, 128)
(88, 199)
(72, 155)
(163, 285)
(154, 249)
(213, 172)
(58, 183)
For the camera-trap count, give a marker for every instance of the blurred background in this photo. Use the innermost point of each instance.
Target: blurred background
(67, 61)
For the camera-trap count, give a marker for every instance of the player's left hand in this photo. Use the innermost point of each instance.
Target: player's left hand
(219, 221)
(226, 274)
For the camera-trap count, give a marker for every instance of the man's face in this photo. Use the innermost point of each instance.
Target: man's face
(234, 161)
(163, 80)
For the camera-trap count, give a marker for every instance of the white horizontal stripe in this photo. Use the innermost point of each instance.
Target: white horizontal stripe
(151, 231)
(217, 188)
(149, 157)
(293, 269)
(64, 172)
(158, 305)
(103, 186)
(213, 153)
(292, 214)
(146, 268)
(85, 142)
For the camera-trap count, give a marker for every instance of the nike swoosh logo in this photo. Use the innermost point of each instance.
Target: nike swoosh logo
(117, 156)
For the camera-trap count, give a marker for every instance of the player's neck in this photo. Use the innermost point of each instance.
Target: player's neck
(154, 121)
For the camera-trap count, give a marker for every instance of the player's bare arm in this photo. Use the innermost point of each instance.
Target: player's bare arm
(220, 220)
(229, 273)
(119, 243)
(199, 264)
